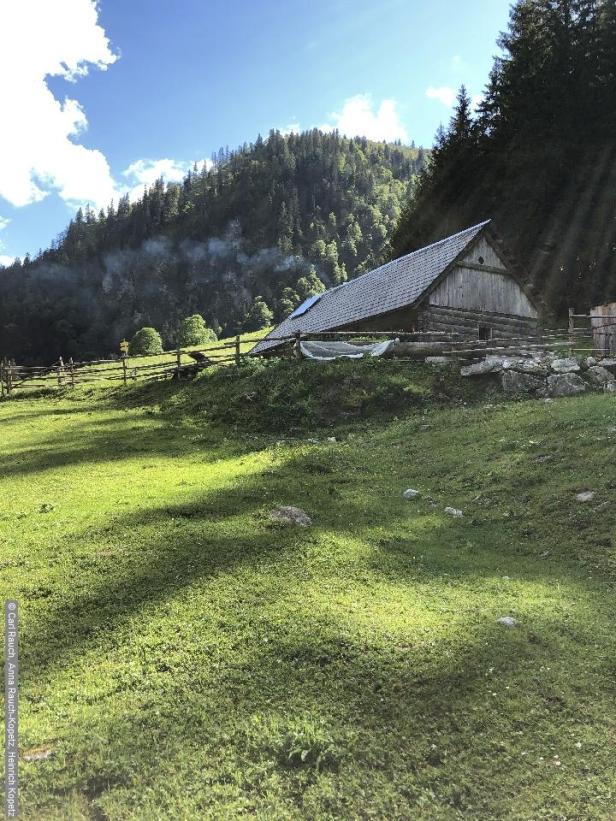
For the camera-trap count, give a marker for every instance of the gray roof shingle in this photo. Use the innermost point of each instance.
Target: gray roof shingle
(394, 285)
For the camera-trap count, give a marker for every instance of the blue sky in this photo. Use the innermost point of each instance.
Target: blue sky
(99, 99)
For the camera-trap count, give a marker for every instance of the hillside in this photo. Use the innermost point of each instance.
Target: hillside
(539, 155)
(279, 219)
(353, 668)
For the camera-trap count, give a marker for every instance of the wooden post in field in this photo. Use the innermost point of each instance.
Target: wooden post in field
(9, 376)
(237, 349)
(571, 330)
(71, 369)
(298, 345)
(60, 371)
(178, 361)
(2, 377)
(124, 366)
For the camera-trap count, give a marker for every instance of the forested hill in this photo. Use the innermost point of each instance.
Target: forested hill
(540, 155)
(278, 220)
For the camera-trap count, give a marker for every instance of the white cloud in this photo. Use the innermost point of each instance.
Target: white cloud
(38, 154)
(291, 128)
(4, 259)
(142, 173)
(443, 94)
(358, 118)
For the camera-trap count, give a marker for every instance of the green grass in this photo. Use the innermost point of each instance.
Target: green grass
(185, 657)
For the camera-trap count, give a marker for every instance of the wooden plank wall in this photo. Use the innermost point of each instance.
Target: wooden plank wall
(475, 290)
(467, 322)
(603, 324)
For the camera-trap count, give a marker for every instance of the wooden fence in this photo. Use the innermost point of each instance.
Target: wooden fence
(574, 339)
(124, 370)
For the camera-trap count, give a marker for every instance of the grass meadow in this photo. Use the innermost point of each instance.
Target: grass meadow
(184, 656)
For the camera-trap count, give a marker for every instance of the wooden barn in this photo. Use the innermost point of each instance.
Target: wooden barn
(463, 283)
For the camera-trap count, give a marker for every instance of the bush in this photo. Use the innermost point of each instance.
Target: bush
(194, 331)
(259, 316)
(146, 341)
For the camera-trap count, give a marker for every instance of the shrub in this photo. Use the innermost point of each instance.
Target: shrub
(259, 316)
(146, 341)
(194, 331)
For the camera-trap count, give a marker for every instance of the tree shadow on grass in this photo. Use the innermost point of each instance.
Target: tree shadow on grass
(366, 713)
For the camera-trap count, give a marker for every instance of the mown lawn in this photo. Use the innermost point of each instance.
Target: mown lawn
(185, 657)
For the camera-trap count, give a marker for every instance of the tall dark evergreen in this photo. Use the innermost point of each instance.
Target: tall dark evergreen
(278, 220)
(540, 155)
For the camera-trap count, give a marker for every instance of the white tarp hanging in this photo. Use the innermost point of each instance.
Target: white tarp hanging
(326, 351)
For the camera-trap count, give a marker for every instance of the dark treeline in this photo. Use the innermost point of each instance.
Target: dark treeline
(539, 156)
(249, 237)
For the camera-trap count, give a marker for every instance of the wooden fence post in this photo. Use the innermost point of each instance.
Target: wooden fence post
(2, 377)
(71, 369)
(124, 366)
(178, 360)
(237, 349)
(571, 330)
(60, 371)
(298, 345)
(9, 377)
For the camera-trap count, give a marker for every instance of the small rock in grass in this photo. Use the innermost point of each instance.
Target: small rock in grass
(507, 621)
(290, 515)
(453, 511)
(411, 494)
(438, 361)
(331, 439)
(37, 754)
(585, 496)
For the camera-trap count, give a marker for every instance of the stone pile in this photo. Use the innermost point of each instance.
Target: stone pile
(547, 375)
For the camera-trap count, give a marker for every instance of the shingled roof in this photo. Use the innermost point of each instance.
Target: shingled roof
(394, 285)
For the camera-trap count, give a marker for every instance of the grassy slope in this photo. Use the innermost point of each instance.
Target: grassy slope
(185, 657)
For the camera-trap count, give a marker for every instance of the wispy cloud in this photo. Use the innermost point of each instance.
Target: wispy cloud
(360, 117)
(142, 173)
(444, 94)
(291, 128)
(38, 151)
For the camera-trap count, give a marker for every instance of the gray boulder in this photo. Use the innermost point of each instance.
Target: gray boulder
(515, 382)
(532, 366)
(565, 384)
(507, 621)
(491, 364)
(411, 494)
(608, 363)
(438, 361)
(610, 387)
(567, 365)
(599, 375)
(290, 515)
(590, 362)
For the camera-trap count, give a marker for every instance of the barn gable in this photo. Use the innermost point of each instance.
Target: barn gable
(481, 281)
